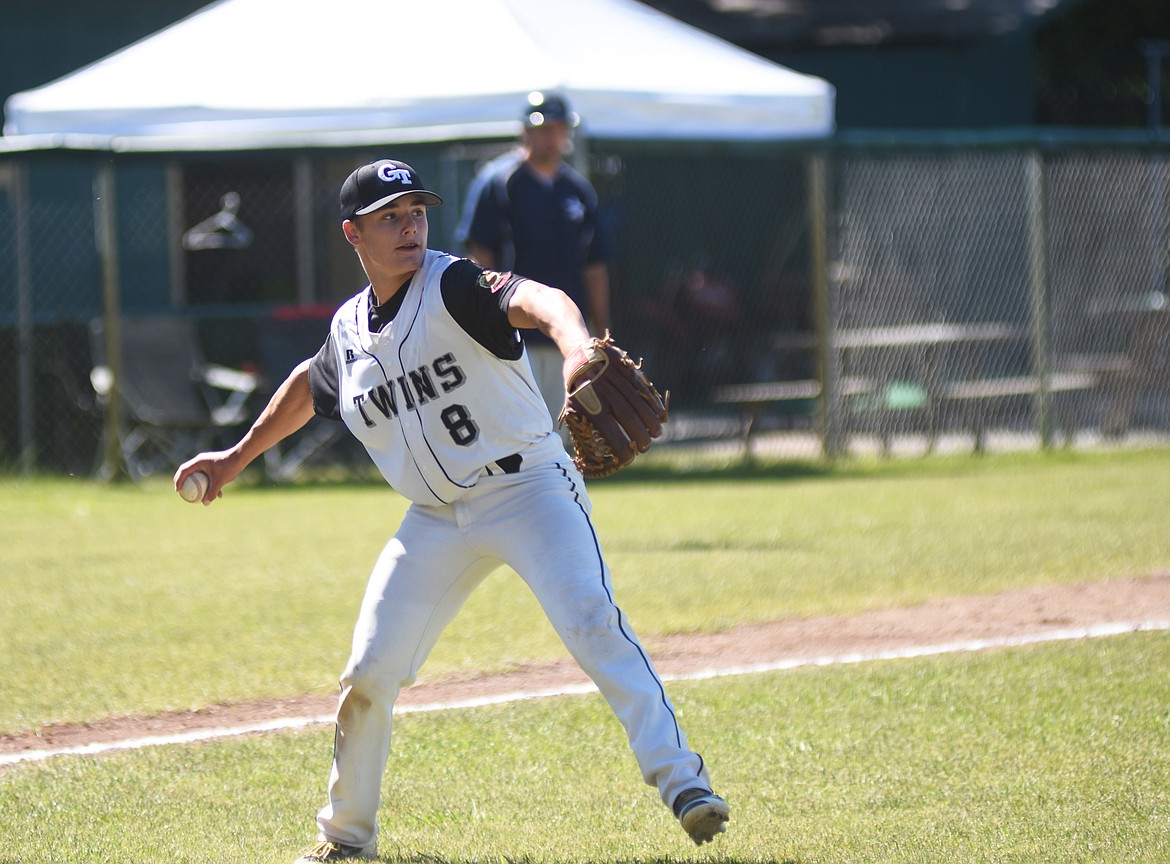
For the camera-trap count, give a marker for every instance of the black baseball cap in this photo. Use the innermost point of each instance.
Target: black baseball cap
(373, 186)
(547, 108)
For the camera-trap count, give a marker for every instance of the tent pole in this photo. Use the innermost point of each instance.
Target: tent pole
(306, 264)
(828, 360)
(106, 236)
(24, 321)
(1040, 311)
(176, 259)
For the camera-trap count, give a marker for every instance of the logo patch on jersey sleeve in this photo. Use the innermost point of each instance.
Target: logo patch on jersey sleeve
(493, 280)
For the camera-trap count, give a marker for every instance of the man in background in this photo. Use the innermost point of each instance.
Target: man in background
(530, 213)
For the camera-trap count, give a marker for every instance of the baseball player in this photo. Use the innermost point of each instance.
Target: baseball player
(426, 367)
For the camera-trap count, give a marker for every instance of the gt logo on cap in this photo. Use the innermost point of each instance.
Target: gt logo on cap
(375, 185)
(389, 174)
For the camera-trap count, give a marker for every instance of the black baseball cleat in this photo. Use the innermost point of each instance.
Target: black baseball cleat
(702, 814)
(328, 851)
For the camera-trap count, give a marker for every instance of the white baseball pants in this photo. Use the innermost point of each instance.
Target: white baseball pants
(537, 522)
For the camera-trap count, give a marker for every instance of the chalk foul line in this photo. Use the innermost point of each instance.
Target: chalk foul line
(283, 724)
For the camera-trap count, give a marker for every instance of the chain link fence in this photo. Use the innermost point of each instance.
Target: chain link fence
(797, 300)
(996, 296)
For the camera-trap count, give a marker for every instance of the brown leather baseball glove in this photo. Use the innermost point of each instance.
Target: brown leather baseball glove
(611, 408)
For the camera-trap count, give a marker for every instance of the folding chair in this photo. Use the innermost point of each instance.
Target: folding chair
(174, 402)
(284, 340)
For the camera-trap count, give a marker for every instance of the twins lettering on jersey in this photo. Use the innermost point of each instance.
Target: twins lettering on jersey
(416, 388)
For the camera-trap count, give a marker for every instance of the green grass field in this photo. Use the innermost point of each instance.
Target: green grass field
(1056, 753)
(124, 600)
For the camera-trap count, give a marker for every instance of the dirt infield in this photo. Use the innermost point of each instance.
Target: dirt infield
(958, 619)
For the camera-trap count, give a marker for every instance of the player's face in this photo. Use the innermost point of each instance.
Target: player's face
(549, 141)
(394, 239)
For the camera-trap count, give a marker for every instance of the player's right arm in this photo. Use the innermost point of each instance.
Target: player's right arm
(290, 408)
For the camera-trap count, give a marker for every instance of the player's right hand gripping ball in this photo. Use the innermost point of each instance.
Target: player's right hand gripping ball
(611, 408)
(194, 487)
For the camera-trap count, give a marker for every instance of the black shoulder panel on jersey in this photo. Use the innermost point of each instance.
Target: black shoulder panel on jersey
(325, 381)
(478, 301)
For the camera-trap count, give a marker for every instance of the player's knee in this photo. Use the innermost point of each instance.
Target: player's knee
(595, 622)
(373, 681)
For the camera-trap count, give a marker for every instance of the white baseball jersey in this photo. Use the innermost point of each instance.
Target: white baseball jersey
(421, 395)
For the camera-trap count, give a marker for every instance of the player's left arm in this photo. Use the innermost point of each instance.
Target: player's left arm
(534, 305)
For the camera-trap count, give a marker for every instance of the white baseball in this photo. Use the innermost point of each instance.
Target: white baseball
(194, 487)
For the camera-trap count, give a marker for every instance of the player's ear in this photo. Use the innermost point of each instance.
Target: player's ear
(351, 232)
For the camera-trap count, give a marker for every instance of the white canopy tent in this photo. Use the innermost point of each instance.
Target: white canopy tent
(258, 74)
